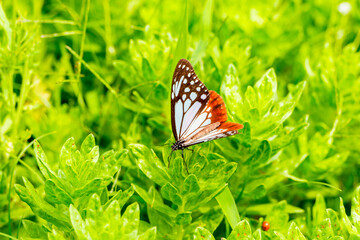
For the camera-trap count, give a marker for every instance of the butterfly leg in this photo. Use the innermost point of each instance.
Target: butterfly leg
(169, 158)
(182, 154)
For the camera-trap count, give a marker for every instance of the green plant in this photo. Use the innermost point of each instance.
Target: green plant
(76, 190)
(186, 192)
(287, 70)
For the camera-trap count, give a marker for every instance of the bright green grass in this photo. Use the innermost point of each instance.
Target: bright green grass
(97, 74)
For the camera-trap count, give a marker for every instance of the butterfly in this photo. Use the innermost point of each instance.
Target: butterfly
(197, 114)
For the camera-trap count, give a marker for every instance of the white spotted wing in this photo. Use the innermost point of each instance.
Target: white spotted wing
(197, 114)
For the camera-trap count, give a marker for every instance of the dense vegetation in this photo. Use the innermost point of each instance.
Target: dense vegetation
(85, 120)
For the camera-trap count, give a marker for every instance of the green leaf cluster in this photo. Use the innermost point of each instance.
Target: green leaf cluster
(186, 189)
(77, 190)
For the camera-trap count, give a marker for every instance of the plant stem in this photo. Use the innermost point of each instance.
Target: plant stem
(25, 87)
(179, 229)
(110, 50)
(81, 54)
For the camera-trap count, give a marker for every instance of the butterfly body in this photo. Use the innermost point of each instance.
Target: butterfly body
(197, 114)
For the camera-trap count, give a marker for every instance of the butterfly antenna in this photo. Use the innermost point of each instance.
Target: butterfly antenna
(165, 144)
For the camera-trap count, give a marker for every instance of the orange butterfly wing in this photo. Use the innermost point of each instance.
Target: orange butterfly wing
(218, 127)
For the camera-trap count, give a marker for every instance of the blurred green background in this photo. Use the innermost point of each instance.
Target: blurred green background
(288, 70)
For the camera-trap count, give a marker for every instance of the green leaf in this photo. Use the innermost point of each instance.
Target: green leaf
(86, 164)
(252, 98)
(330, 164)
(4, 23)
(323, 230)
(56, 235)
(147, 70)
(258, 192)
(42, 162)
(231, 89)
(354, 236)
(278, 217)
(205, 32)
(42, 208)
(345, 220)
(169, 192)
(94, 186)
(245, 138)
(149, 164)
(183, 218)
(278, 235)
(149, 234)
(335, 223)
(127, 72)
(111, 216)
(285, 107)
(78, 224)
(211, 219)
(257, 235)
(159, 214)
(55, 194)
(319, 147)
(130, 220)
(191, 185)
(94, 208)
(261, 155)
(164, 223)
(122, 197)
(319, 209)
(266, 89)
(218, 172)
(295, 233)
(110, 162)
(87, 145)
(227, 203)
(153, 202)
(177, 171)
(355, 208)
(286, 135)
(66, 152)
(264, 112)
(203, 234)
(71, 176)
(241, 231)
(34, 230)
(182, 44)
(161, 93)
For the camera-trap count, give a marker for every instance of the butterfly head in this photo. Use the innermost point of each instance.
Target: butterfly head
(178, 145)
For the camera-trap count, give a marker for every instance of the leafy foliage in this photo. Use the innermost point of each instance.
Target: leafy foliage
(74, 193)
(187, 192)
(101, 70)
